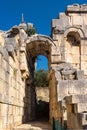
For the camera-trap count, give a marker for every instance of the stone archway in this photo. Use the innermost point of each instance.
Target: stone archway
(36, 45)
(73, 42)
(73, 45)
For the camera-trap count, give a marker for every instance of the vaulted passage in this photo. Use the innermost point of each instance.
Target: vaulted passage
(37, 109)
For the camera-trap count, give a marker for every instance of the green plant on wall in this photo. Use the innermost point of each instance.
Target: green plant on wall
(41, 78)
(31, 30)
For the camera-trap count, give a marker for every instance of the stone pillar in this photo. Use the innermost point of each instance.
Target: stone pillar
(53, 96)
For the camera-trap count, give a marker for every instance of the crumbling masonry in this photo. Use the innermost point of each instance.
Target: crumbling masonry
(66, 51)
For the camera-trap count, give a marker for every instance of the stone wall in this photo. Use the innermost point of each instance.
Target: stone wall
(70, 34)
(68, 93)
(12, 83)
(68, 61)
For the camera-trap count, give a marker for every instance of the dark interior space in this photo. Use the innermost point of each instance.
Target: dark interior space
(42, 110)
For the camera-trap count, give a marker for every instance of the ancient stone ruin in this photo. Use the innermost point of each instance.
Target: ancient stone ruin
(66, 51)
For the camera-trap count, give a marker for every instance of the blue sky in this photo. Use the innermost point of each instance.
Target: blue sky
(42, 63)
(39, 12)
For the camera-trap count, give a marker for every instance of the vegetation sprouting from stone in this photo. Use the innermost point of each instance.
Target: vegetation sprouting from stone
(31, 30)
(41, 78)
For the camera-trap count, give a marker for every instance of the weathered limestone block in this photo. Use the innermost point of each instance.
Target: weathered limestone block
(69, 87)
(77, 20)
(74, 99)
(55, 55)
(77, 86)
(81, 107)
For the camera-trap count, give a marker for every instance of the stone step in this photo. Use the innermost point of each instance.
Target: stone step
(34, 126)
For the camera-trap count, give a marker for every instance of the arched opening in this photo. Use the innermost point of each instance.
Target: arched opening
(37, 109)
(73, 49)
(41, 88)
(38, 94)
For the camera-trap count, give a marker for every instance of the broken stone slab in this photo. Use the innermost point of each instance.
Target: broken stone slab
(71, 87)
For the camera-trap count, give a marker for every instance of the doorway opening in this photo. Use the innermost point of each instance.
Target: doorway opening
(37, 50)
(41, 88)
